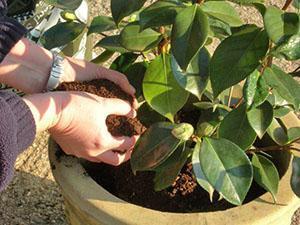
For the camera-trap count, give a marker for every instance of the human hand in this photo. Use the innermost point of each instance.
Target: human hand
(79, 124)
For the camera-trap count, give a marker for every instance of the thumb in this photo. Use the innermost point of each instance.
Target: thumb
(119, 107)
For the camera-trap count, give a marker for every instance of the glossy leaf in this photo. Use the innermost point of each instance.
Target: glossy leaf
(247, 47)
(296, 4)
(236, 128)
(250, 86)
(261, 93)
(123, 8)
(230, 173)
(160, 13)
(290, 49)
(246, 2)
(208, 122)
(222, 11)
(111, 43)
(195, 78)
(293, 134)
(189, 34)
(101, 23)
(280, 25)
(166, 173)
(103, 57)
(154, 147)
(260, 118)
(265, 174)
(161, 90)
(281, 111)
(200, 177)
(284, 84)
(65, 4)
(135, 74)
(123, 62)
(277, 133)
(133, 39)
(148, 116)
(218, 28)
(61, 34)
(295, 178)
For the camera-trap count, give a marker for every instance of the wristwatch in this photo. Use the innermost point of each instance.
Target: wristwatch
(56, 72)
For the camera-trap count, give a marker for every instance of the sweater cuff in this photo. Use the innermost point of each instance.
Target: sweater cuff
(26, 128)
(10, 33)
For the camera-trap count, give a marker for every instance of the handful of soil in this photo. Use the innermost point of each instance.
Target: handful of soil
(117, 125)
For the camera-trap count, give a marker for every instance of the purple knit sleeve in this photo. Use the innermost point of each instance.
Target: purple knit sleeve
(17, 132)
(10, 31)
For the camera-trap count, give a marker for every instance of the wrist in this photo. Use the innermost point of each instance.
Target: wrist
(45, 108)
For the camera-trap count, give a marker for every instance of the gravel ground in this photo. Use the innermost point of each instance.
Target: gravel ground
(33, 197)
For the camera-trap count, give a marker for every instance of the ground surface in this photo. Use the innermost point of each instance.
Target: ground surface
(33, 197)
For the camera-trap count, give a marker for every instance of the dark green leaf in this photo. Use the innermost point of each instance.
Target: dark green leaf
(111, 43)
(261, 93)
(290, 49)
(154, 147)
(133, 39)
(291, 124)
(61, 34)
(261, 8)
(123, 62)
(281, 111)
(236, 128)
(123, 8)
(230, 173)
(166, 173)
(280, 25)
(250, 86)
(135, 74)
(247, 47)
(265, 174)
(101, 23)
(103, 57)
(284, 84)
(161, 90)
(222, 11)
(260, 118)
(219, 29)
(277, 133)
(160, 13)
(208, 122)
(148, 116)
(195, 78)
(293, 134)
(65, 4)
(200, 177)
(295, 178)
(189, 34)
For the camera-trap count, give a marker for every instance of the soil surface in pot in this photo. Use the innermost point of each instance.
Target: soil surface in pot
(185, 195)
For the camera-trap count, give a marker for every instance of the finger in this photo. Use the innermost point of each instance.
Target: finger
(118, 78)
(114, 158)
(92, 159)
(122, 143)
(117, 106)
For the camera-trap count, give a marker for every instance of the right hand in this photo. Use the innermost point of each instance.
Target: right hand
(80, 127)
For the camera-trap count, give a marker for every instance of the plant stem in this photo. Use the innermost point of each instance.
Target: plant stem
(239, 102)
(104, 35)
(230, 96)
(286, 4)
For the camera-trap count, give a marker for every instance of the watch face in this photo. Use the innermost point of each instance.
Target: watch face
(16, 7)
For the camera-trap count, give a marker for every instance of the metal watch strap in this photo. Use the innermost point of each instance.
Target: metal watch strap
(56, 72)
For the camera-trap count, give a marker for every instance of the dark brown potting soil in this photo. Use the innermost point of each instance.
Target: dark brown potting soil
(184, 196)
(117, 125)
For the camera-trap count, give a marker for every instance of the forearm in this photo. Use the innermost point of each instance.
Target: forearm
(45, 108)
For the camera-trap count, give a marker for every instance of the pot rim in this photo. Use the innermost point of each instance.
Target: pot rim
(86, 195)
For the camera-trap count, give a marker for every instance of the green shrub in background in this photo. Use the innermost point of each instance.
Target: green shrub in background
(162, 48)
